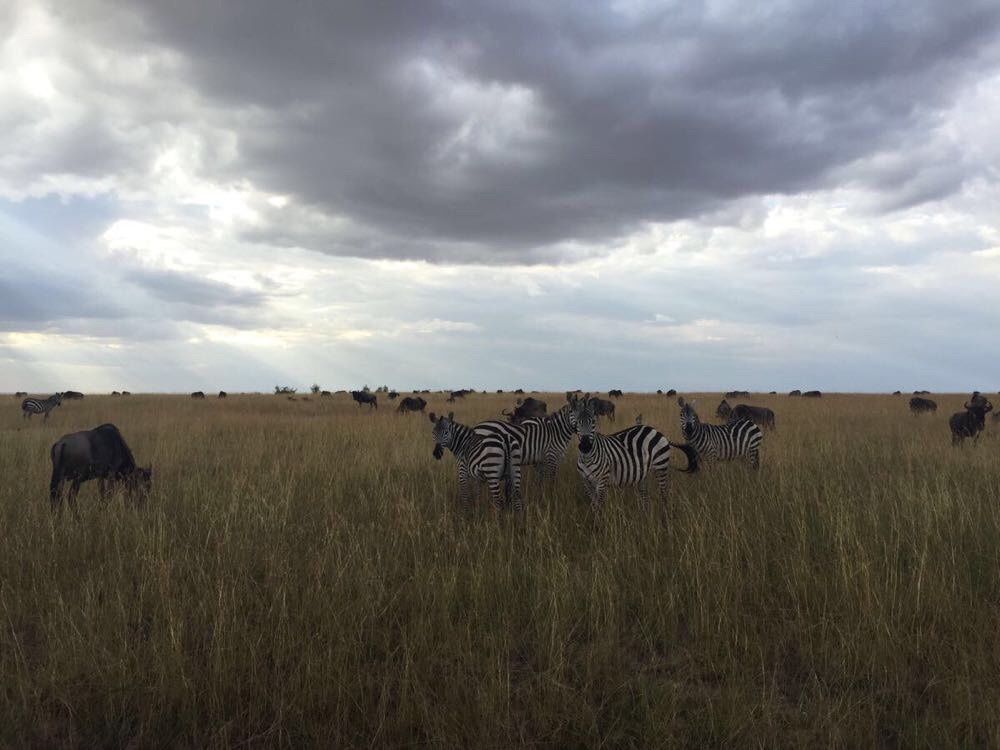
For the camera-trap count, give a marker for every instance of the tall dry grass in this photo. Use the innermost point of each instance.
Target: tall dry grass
(303, 575)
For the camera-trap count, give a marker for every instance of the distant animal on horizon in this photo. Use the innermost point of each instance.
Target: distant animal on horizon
(969, 423)
(738, 439)
(393, 395)
(72, 395)
(198, 394)
(102, 454)
(920, 405)
(812, 394)
(325, 394)
(759, 415)
(126, 393)
(20, 394)
(737, 394)
(603, 407)
(411, 403)
(672, 392)
(363, 397)
(305, 398)
(615, 393)
(526, 408)
(796, 392)
(499, 390)
(115, 393)
(623, 458)
(223, 394)
(519, 390)
(897, 393)
(774, 393)
(459, 394)
(40, 406)
(920, 393)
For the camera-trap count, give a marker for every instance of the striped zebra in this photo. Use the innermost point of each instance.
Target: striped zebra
(544, 439)
(36, 406)
(740, 438)
(623, 458)
(491, 458)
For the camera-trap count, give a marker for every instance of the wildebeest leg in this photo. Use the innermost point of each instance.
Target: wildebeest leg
(104, 488)
(73, 492)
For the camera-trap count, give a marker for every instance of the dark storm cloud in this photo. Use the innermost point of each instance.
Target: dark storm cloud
(471, 130)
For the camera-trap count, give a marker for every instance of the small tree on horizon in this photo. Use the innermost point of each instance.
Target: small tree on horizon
(315, 388)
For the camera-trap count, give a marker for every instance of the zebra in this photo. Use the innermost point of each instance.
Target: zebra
(737, 439)
(623, 458)
(489, 458)
(543, 440)
(34, 406)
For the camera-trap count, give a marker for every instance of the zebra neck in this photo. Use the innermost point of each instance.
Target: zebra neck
(462, 440)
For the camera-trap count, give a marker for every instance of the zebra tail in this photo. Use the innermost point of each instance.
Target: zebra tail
(692, 457)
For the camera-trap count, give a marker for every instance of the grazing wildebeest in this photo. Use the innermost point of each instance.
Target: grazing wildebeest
(759, 415)
(20, 394)
(115, 393)
(897, 393)
(723, 410)
(458, 394)
(672, 392)
(411, 403)
(499, 390)
(920, 393)
(198, 394)
(615, 393)
(526, 408)
(40, 406)
(363, 397)
(223, 394)
(393, 395)
(100, 453)
(603, 407)
(73, 395)
(326, 394)
(920, 405)
(969, 423)
(796, 392)
(812, 394)
(737, 394)
(774, 393)
(519, 390)
(126, 393)
(659, 391)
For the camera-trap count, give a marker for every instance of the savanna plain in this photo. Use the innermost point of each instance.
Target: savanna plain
(303, 574)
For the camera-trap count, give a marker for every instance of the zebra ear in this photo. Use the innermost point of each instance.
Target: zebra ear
(451, 416)
(680, 401)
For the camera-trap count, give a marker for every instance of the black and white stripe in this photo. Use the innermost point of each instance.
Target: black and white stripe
(740, 438)
(40, 406)
(544, 439)
(490, 457)
(623, 458)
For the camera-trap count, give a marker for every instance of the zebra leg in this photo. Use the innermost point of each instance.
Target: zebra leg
(494, 485)
(600, 489)
(46, 417)
(754, 459)
(73, 492)
(643, 494)
(463, 483)
(661, 483)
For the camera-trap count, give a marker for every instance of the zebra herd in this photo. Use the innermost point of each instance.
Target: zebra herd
(493, 452)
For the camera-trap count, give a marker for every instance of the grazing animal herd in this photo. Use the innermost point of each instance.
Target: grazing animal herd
(494, 451)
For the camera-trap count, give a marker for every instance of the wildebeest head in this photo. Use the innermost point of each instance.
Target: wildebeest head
(689, 417)
(140, 482)
(586, 424)
(443, 431)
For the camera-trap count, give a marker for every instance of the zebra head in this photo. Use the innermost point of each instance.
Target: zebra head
(57, 398)
(586, 423)
(689, 418)
(444, 432)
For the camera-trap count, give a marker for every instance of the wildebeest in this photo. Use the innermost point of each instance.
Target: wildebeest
(773, 393)
(969, 423)
(796, 392)
(615, 393)
(603, 408)
(325, 394)
(126, 393)
(526, 408)
(363, 397)
(223, 394)
(519, 390)
(393, 395)
(411, 403)
(897, 393)
(672, 392)
(499, 390)
(920, 405)
(100, 453)
(20, 394)
(920, 393)
(723, 410)
(459, 394)
(198, 394)
(115, 393)
(759, 415)
(812, 394)
(72, 395)
(736, 394)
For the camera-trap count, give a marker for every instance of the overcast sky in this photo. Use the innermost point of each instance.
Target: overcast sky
(696, 195)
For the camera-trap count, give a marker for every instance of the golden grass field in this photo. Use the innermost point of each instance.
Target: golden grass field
(303, 575)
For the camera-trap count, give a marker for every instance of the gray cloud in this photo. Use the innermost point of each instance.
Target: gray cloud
(487, 131)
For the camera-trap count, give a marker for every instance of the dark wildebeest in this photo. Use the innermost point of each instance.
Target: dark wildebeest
(897, 393)
(223, 394)
(920, 405)
(759, 415)
(603, 408)
(615, 393)
(796, 392)
(672, 392)
(198, 394)
(812, 394)
(326, 394)
(774, 393)
(723, 410)
(737, 394)
(126, 393)
(659, 391)
(73, 395)
(499, 390)
(363, 397)
(100, 453)
(526, 408)
(519, 390)
(458, 394)
(920, 393)
(115, 393)
(393, 395)
(411, 403)
(969, 423)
